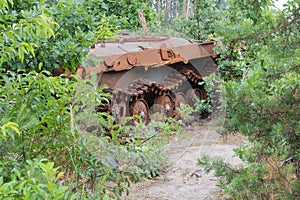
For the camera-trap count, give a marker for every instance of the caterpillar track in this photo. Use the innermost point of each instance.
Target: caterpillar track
(165, 97)
(147, 74)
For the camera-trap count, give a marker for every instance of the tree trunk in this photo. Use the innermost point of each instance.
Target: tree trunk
(167, 13)
(176, 13)
(158, 5)
(188, 9)
(184, 9)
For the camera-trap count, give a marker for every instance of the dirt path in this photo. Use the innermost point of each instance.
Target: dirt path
(182, 178)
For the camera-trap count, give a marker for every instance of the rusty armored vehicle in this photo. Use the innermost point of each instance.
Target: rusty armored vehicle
(147, 73)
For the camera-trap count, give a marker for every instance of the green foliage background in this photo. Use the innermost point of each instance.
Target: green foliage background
(259, 61)
(47, 120)
(40, 34)
(53, 145)
(42, 131)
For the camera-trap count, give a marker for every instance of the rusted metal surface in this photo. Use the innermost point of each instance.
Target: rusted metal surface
(148, 74)
(140, 108)
(165, 105)
(208, 46)
(147, 51)
(161, 96)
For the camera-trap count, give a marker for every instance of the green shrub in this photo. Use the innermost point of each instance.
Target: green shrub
(38, 180)
(261, 69)
(55, 118)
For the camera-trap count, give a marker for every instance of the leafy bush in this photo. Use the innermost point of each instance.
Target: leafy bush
(262, 88)
(44, 35)
(39, 180)
(27, 182)
(55, 118)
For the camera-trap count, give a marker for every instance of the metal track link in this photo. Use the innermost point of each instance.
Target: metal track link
(142, 86)
(143, 93)
(175, 79)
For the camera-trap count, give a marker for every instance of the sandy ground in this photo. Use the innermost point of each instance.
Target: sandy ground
(182, 178)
